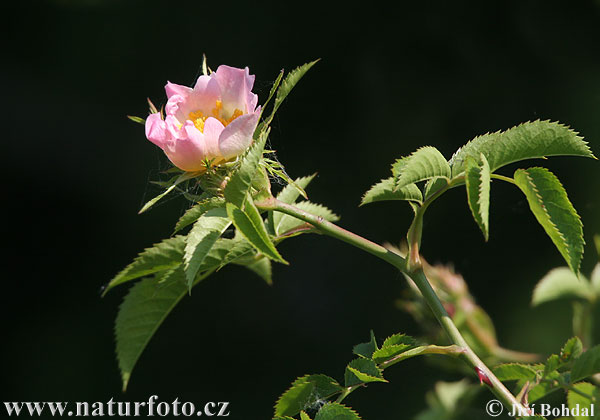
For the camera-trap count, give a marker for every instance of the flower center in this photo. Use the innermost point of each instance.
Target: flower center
(198, 117)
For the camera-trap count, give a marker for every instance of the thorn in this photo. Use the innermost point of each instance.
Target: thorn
(483, 378)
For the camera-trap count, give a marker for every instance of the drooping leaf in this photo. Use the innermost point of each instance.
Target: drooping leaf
(477, 179)
(335, 411)
(194, 213)
(529, 140)
(426, 163)
(150, 301)
(581, 405)
(181, 178)
(366, 349)
(162, 256)
(241, 180)
(287, 223)
(288, 84)
(587, 364)
(305, 392)
(551, 207)
(205, 232)
(242, 252)
(384, 191)
(561, 283)
(263, 269)
(514, 372)
(251, 226)
(362, 371)
(140, 315)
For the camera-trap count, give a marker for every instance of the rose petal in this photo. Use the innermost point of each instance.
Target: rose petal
(236, 85)
(188, 152)
(156, 129)
(175, 89)
(212, 131)
(204, 96)
(237, 136)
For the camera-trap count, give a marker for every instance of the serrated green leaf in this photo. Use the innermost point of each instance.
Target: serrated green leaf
(426, 163)
(580, 405)
(288, 84)
(194, 213)
(289, 194)
(150, 301)
(529, 140)
(394, 346)
(161, 256)
(263, 269)
(477, 179)
(182, 178)
(336, 411)
(366, 349)
(434, 185)
(145, 307)
(241, 180)
(545, 387)
(384, 191)
(251, 226)
(515, 371)
(571, 350)
(362, 371)
(288, 223)
(305, 392)
(242, 253)
(561, 283)
(552, 364)
(283, 418)
(304, 416)
(587, 364)
(205, 232)
(551, 207)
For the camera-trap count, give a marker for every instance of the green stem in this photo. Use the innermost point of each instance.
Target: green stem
(503, 178)
(418, 276)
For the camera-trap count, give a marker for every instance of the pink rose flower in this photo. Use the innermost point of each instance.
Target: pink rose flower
(214, 121)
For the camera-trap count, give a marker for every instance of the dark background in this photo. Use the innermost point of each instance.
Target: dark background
(76, 171)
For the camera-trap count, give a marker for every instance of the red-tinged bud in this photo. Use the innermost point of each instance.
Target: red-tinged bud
(483, 378)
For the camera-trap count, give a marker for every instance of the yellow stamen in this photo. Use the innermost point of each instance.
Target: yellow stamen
(198, 117)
